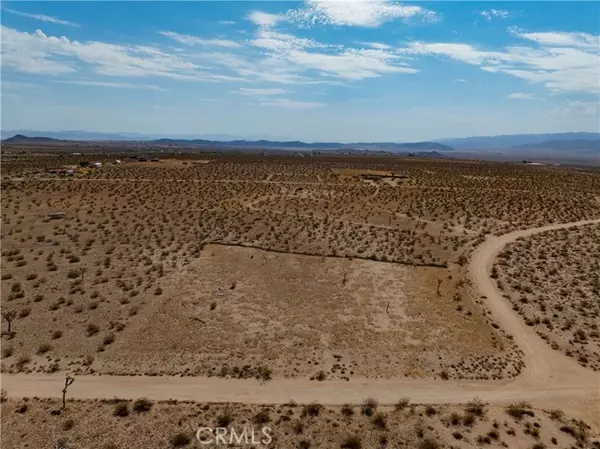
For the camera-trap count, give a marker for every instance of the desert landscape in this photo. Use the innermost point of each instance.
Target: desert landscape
(239, 283)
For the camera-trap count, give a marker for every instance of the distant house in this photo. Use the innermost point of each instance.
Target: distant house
(57, 215)
(97, 164)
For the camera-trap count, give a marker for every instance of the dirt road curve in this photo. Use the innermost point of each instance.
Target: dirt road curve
(550, 379)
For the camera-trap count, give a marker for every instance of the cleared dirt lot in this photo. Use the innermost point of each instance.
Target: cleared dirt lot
(302, 316)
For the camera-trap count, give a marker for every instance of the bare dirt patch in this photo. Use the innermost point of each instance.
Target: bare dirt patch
(236, 311)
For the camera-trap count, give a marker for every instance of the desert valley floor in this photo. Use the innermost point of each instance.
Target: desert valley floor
(345, 301)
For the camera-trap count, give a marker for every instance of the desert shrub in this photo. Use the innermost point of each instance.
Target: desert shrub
(475, 407)
(262, 417)
(225, 418)
(402, 404)
(121, 409)
(455, 419)
(264, 373)
(380, 420)
(469, 419)
(347, 410)
(43, 348)
(519, 410)
(142, 405)
(430, 410)
(352, 442)
(92, 329)
(429, 443)
(312, 409)
(369, 406)
(556, 415)
(180, 439)
(23, 360)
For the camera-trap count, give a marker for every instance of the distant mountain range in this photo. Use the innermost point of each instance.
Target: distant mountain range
(538, 141)
(581, 142)
(21, 139)
(564, 145)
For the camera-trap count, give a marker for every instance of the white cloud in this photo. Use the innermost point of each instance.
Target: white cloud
(521, 96)
(261, 92)
(41, 17)
(186, 39)
(330, 61)
(378, 45)
(494, 14)
(567, 68)
(363, 13)
(579, 108)
(264, 19)
(291, 104)
(42, 54)
(578, 40)
(111, 84)
(226, 22)
(459, 80)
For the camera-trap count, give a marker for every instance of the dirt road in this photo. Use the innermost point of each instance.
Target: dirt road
(549, 380)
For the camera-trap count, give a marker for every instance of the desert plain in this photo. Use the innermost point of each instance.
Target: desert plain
(346, 301)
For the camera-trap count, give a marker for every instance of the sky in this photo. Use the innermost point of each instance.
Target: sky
(342, 71)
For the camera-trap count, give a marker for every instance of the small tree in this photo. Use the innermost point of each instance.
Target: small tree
(82, 272)
(68, 381)
(9, 316)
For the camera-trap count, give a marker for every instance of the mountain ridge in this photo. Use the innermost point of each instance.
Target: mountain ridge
(509, 141)
(555, 142)
(21, 139)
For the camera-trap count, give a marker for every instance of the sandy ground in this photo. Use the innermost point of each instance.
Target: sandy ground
(94, 424)
(549, 380)
(553, 281)
(300, 315)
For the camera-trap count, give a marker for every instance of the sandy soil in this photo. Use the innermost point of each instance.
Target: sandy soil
(119, 424)
(305, 316)
(550, 379)
(553, 281)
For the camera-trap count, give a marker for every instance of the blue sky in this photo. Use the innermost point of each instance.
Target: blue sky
(317, 70)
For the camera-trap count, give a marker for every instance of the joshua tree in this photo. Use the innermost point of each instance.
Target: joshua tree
(439, 283)
(9, 316)
(68, 381)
